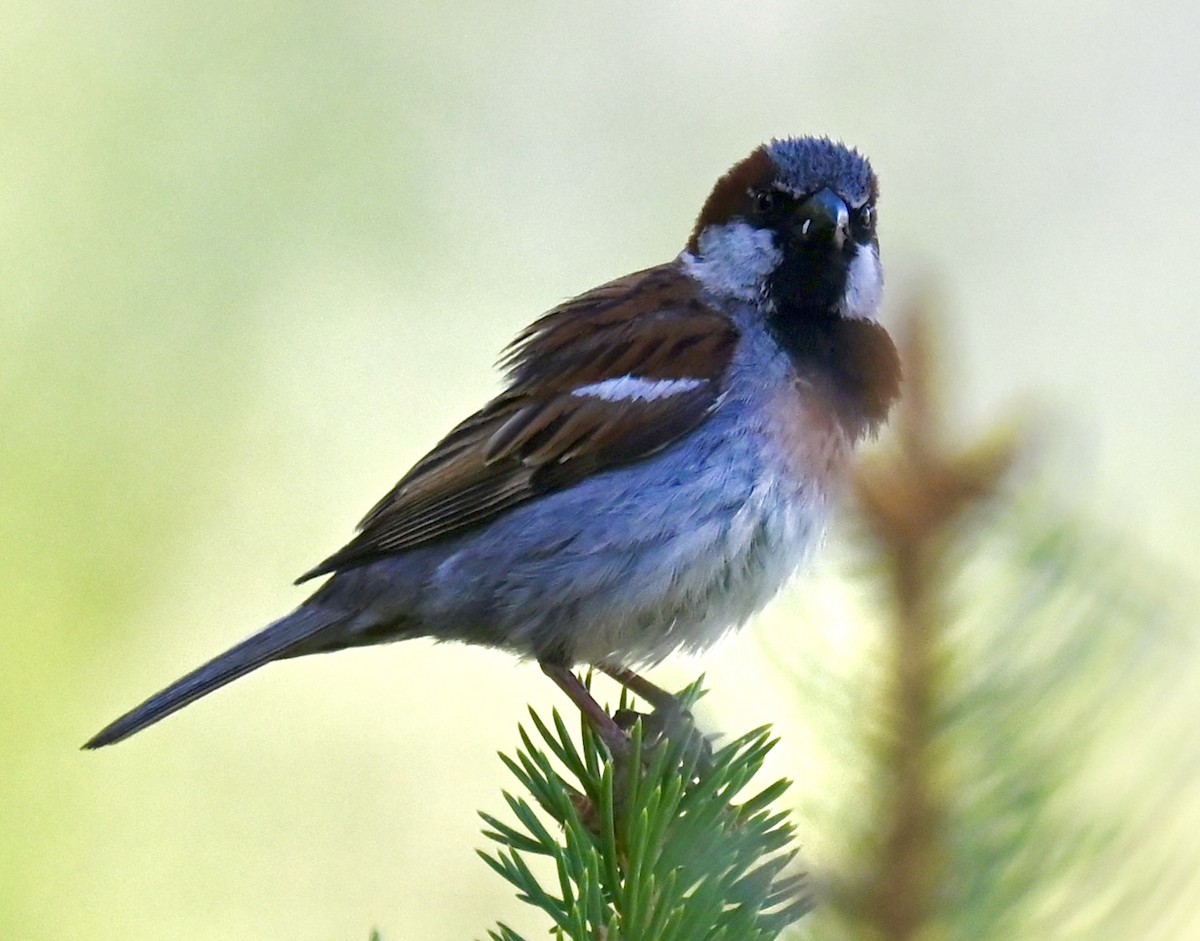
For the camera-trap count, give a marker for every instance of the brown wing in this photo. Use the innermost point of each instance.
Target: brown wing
(605, 379)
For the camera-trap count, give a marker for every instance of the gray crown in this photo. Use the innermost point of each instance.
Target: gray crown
(808, 163)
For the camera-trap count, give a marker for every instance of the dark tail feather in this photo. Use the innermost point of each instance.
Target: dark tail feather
(281, 639)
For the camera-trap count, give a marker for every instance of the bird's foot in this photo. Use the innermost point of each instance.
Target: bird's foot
(670, 723)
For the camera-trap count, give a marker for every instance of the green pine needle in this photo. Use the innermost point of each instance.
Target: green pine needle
(675, 858)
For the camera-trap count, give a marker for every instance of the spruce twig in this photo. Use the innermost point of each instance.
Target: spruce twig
(680, 856)
(1014, 679)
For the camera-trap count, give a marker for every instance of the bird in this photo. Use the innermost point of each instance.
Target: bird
(664, 455)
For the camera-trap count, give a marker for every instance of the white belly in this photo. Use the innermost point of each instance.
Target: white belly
(708, 578)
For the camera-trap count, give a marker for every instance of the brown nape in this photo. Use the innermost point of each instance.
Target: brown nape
(731, 195)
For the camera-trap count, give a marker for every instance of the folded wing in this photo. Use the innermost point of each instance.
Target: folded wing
(605, 379)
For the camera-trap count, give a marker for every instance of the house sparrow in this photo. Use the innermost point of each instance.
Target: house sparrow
(662, 459)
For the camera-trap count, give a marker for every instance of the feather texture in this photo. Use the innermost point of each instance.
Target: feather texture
(566, 413)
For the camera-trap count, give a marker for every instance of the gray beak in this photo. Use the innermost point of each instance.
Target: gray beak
(823, 219)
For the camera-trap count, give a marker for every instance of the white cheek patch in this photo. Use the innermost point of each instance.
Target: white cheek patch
(635, 388)
(735, 259)
(864, 285)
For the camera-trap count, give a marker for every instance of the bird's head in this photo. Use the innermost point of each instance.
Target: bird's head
(792, 227)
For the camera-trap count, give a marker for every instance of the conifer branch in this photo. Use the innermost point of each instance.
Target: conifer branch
(675, 853)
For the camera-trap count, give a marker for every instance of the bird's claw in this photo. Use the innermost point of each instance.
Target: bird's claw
(670, 722)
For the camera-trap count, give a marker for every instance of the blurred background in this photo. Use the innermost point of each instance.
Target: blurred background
(255, 258)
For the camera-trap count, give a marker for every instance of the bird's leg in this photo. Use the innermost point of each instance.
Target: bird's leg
(670, 718)
(611, 734)
(658, 697)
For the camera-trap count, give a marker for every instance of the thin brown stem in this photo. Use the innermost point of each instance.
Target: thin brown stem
(912, 500)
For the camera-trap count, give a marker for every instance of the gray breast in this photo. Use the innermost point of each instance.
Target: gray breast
(638, 561)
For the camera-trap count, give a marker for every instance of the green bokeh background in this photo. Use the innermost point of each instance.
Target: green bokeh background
(255, 258)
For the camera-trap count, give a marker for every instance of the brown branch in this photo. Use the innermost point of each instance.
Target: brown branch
(911, 498)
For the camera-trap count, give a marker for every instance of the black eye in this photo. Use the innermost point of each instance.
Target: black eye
(864, 219)
(764, 202)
